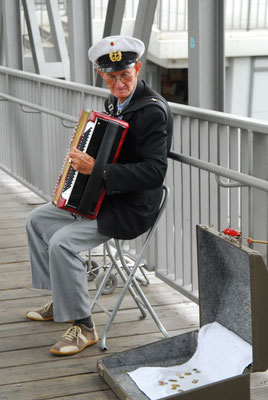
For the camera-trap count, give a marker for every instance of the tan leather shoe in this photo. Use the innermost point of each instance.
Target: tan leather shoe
(44, 313)
(75, 339)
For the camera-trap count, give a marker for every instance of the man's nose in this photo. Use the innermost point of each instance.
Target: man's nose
(119, 83)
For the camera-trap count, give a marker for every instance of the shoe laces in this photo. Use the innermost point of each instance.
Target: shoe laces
(47, 306)
(72, 333)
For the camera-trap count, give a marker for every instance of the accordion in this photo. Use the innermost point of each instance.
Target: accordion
(100, 136)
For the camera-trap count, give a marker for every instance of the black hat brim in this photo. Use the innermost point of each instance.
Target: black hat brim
(116, 66)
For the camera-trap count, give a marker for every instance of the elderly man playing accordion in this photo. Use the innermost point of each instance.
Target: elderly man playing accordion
(133, 188)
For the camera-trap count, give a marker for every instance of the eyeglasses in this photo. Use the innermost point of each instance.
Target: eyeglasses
(112, 79)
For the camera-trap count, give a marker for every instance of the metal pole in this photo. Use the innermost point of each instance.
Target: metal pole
(143, 26)
(80, 39)
(206, 69)
(113, 24)
(10, 30)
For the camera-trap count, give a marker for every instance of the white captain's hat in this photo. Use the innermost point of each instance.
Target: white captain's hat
(115, 53)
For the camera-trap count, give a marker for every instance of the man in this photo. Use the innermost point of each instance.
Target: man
(133, 194)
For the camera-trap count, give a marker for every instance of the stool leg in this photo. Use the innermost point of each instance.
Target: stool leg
(130, 279)
(131, 274)
(124, 279)
(99, 291)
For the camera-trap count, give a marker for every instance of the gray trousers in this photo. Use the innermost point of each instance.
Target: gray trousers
(55, 239)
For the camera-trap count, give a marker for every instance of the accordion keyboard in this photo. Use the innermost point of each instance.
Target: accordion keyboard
(83, 146)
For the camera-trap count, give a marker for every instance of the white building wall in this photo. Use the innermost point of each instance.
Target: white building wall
(259, 107)
(247, 87)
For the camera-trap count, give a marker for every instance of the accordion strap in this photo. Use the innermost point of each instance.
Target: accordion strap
(94, 182)
(145, 102)
(137, 104)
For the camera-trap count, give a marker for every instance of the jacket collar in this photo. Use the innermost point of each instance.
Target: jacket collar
(112, 100)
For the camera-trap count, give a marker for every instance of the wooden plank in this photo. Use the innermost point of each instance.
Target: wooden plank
(52, 388)
(103, 395)
(11, 231)
(260, 393)
(23, 197)
(19, 306)
(40, 354)
(15, 240)
(14, 254)
(119, 331)
(178, 311)
(13, 267)
(12, 223)
(259, 386)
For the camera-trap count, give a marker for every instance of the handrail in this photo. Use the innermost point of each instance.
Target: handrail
(222, 171)
(216, 169)
(45, 110)
(92, 90)
(218, 117)
(188, 111)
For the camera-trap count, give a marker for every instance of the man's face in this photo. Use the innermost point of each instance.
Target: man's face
(122, 83)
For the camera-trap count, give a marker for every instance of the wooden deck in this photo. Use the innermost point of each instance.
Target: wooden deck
(27, 369)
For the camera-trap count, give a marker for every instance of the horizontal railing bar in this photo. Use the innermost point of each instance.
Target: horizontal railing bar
(228, 184)
(249, 124)
(45, 110)
(235, 121)
(222, 171)
(59, 83)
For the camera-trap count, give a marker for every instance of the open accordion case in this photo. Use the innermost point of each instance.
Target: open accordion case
(215, 362)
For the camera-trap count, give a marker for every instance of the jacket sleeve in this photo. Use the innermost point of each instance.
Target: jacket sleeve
(150, 146)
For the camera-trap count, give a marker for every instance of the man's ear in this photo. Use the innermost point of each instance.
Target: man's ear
(137, 67)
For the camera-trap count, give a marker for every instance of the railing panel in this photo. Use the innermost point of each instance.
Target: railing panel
(234, 193)
(186, 204)
(195, 198)
(223, 150)
(246, 167)
(214, 191)
(204, 176)
(176, 201)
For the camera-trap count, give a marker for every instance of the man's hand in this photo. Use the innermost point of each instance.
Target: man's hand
(81, 162)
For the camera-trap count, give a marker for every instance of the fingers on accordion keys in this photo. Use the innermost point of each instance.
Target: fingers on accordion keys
(70, 160)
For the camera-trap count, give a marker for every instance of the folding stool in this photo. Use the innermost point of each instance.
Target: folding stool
(127, 275)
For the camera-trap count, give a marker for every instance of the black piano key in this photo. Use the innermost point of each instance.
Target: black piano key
(84, 139)
(70, 178)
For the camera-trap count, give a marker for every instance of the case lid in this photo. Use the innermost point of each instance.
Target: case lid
(233, 290)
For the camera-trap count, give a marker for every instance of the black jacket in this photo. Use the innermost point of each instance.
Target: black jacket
(134, 184)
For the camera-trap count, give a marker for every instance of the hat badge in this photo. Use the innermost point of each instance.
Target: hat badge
(115, 56)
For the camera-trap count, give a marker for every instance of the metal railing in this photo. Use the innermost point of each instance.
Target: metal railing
(37, 116)
(171, 15)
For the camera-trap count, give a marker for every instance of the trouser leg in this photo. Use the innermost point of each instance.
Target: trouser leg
(55, 241)
(68, 273)
(41, 225)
